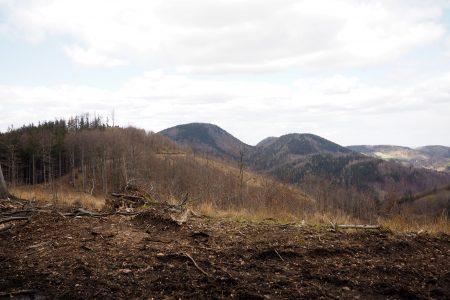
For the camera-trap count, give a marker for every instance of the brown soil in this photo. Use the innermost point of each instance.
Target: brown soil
(52, 256)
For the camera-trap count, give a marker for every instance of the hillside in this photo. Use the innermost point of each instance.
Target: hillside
(207, 138)
(274, 152)
(85, 156)
(294, 174)
(435, 151)
(51, 256)
(169, 223)
(429, 157)
(311, 161)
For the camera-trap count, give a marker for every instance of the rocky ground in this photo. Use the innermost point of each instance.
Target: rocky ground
(146, 256)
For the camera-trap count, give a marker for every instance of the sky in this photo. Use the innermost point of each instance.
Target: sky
(352, 71)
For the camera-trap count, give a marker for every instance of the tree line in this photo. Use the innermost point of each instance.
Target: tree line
(88, 154)
(92, 156)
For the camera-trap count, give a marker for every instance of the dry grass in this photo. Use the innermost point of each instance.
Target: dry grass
(267, 216)
(440, 224)
(252, 179)
(43, 193)
(400, 223)
(245, 215)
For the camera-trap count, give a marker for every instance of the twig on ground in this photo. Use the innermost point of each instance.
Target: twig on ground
(38, 245)
(196, 265)
(278, 254)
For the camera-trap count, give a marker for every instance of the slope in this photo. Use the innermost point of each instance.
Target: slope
(207, 138)
(430, 157)
(273, 152)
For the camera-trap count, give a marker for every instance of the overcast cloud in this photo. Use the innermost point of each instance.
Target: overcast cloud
(355, 72)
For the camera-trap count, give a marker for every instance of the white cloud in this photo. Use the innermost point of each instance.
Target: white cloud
(317, 40)
(231, 36)
(90, 58)
(336, 84)
(411, 115)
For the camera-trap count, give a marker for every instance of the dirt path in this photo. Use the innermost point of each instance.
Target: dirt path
(121, 257)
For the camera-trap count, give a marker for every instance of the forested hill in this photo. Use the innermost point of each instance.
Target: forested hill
(40, 153)
(429, 157)
(296, 172)
(88, 155)
(207, 138)
(300, 159)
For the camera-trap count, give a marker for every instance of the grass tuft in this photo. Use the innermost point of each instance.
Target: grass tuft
(42, 193)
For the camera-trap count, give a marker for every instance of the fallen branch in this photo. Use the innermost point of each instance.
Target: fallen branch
(196, 265)
(226, 272)
(87, 213)
(124, 213)
(83, 212)
(16, 212)
(13, 219)
(128, 197)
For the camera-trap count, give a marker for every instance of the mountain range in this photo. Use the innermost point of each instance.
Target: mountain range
(207, 138)
(429, 157)
(296, 158)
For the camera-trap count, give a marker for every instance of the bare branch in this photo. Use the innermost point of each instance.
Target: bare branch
(196, 265)
(13, 219)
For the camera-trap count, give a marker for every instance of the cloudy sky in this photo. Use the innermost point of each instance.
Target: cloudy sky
(353, 71)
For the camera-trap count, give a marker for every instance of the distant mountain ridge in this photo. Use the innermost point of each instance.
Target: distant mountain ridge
(429, 157)
(208, 138)
(296, 158)
(436, 151)
(273, 152)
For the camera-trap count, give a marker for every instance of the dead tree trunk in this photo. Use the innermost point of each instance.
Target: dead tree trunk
(3, 189)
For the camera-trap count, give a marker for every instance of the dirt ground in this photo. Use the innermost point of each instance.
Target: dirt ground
(144, 257)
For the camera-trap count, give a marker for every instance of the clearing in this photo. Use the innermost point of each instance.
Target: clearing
(146, 256)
